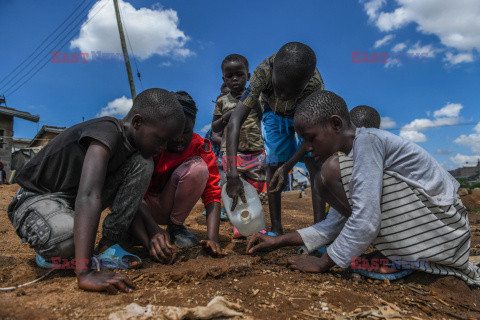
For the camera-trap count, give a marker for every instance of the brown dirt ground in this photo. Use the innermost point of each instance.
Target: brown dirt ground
(261, 283)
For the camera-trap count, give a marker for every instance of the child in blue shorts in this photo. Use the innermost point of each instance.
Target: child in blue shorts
(280, 82)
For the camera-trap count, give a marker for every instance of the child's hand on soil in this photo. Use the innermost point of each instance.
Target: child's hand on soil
(213, 247)
(105, 281)
(261, 242)
(161, 248)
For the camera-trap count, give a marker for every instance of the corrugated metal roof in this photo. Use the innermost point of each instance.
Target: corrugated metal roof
(19, 114)
(45, 129)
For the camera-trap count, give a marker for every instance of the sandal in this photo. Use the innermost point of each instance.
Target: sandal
(366, 265)
(381, 276)
(114, 258)
(317, 253)
(42, 263)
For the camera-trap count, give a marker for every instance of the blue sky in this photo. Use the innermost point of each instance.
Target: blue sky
(428, 90)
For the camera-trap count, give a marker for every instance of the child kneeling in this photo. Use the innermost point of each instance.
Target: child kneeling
(184, 172)
(100, 163)
(384, 191)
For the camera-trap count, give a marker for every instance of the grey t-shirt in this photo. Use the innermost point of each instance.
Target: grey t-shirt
(375, 152)
(58, 166)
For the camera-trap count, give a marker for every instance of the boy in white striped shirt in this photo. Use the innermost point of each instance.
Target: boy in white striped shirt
(384, 191)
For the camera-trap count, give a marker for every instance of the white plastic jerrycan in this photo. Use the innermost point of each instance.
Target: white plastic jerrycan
(249, 217)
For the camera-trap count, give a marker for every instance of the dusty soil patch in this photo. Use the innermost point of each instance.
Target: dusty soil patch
(261, 283)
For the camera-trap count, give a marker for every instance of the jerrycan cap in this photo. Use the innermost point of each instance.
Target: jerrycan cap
(245, 216)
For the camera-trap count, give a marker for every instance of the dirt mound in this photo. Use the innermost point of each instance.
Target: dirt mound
(472, 202)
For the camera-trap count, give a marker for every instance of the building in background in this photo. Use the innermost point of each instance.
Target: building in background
(467, 173)
(6, 131)
(45, 135)
(23, 154)
(20, 143)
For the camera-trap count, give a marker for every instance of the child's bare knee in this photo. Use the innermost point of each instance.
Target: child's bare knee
(330, 172)
(196, 169)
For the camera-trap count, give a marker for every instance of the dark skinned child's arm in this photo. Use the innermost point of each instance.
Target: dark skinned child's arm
(217, 138)
(280, 178)
(220, 122)
(213, 225)
(262, 242)
(234, 185)
(154, 238)
(88, 206)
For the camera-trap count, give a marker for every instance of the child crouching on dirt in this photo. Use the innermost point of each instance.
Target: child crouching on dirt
(384, 191)
(100, 163)
(184, 172)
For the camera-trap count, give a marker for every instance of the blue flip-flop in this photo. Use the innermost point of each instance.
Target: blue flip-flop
(271, 234)
(113, 258)
(319, 252)
(42, 263)
(223, 214)
(381, 276)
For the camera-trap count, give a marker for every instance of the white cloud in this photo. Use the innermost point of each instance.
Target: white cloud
(413, 136)
(450, 110)
(455, 23)
(454, 59)
(116, 108)
(424, 124)
(387, 123)
(206, 128)
(426, 51)
(472, 140)
(383, 41)
(151, 31)
(372, 7)
(389, 21)
(442, 151)
(393, 62)
(477, 128)
(446, 116)
(399, 47)
(464, 160)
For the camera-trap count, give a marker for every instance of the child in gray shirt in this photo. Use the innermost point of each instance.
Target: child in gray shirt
(383, 191)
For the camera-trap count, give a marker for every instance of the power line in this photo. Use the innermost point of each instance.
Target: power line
(43, 50)
(47, 53)
(40, 45)
(68, 40)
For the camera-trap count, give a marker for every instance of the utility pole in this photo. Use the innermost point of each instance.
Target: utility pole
(124, 49)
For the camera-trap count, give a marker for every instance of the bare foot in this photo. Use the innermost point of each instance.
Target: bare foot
(305, 263)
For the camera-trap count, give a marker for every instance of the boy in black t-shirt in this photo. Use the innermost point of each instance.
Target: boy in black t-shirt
(104, 162)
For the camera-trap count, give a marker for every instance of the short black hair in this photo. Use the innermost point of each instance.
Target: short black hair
(318, 107)
(155, 105)
(235, 57)
(365, 116)
(188, 104)
(295, 60)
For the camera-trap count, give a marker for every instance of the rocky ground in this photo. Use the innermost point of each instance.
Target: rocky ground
(261, 284)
